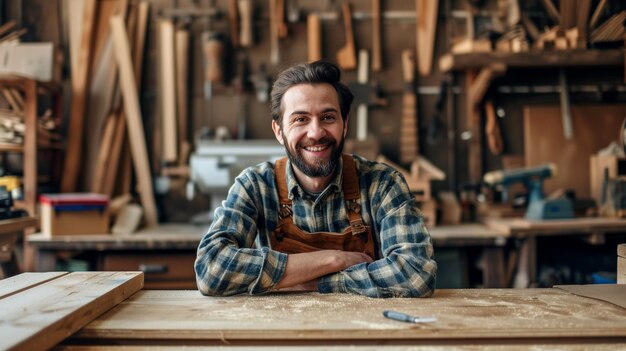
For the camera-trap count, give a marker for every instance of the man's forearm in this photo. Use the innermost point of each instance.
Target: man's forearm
(306, 267)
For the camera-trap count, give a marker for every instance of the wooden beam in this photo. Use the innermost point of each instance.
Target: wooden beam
(552, 11)
(483, 80)
(596, 14)
(133, 118)
(80, 79)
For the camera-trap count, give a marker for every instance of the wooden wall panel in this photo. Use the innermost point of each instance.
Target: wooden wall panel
(595, 126)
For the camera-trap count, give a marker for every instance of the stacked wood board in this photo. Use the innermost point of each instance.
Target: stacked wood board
(38, 310)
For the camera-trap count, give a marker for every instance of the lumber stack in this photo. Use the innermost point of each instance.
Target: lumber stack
(98, 140)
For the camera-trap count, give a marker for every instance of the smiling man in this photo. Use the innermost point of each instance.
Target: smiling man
(318, 219)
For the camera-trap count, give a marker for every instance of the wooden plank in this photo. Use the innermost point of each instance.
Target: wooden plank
(427, 11)
(621, 250)
(104, 154)
(552, 11)
(596, 14)
(167, 70)
(76, 11)
(113, 164)
(338, 346)
(487, 314)
(544, 142)
(555, 58)
(30, 146)
(182, 92)
(42, 316)
(133, 119)
(13, 285)
(103, 87)
(80, 79)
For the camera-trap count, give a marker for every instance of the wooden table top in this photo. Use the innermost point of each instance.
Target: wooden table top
(589, 225)
(476, 316)
(9, 226)
(187, 236)
(164, 236)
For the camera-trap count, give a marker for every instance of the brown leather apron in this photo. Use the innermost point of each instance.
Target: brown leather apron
(288, 238)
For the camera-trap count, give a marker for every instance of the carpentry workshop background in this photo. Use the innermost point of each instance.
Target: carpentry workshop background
(124, 122)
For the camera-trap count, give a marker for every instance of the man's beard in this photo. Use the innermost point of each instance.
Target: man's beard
(321, 168)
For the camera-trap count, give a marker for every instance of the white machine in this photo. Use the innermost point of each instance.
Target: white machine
(215, 164)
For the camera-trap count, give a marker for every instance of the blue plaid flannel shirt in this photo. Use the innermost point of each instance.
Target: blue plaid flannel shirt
(235, 256)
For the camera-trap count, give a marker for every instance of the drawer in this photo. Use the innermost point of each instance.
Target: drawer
(161, 270)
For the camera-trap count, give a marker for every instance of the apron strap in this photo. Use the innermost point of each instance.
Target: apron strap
(280, 175)
(350, 186)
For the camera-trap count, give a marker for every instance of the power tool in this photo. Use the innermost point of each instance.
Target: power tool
(533, 177)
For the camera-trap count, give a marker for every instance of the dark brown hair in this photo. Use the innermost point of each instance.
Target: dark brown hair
(321, 71)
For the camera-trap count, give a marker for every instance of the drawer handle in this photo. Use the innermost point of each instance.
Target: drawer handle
(153, 268)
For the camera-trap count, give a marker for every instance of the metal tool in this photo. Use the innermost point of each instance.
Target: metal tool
(539, 207)
(403, 317)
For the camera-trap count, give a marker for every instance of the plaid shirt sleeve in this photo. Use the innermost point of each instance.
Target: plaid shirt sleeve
(226, 263)
(407, 267)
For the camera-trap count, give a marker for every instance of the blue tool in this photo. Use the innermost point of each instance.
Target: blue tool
(538, 206)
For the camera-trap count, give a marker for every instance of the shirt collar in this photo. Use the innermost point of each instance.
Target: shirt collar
(296, 190)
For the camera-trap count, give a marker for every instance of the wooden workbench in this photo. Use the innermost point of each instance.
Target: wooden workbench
(593, 229)
(99, 310)
(165, 254)
(478, 317)
(173, 248)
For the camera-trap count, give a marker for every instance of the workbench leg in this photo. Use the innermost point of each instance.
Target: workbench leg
(526, 276)
(46, 261)
(493, 270)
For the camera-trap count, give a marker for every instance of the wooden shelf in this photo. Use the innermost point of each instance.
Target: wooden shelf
(7, 147)
(555, 58)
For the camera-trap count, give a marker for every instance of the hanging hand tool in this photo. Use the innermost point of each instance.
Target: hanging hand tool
(426, 14)
(245, 17)
(346, 56)
(492, 130)
(281, 26)
(314, 34)
(365, 94)
(274, 48)
(262, 84)
(233, 20)
(377, 61)
(213, 50)
(408, 126)
(566, 112)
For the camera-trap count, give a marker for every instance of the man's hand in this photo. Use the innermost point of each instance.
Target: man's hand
(307, 267)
